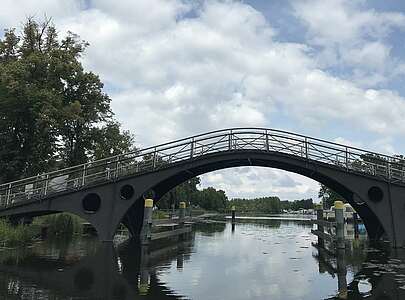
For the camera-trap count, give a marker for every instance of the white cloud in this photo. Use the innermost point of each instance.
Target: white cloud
(343, 141)
(14, 12)
(249, 182)
(175, 69)
(352, 36)
(345, 21)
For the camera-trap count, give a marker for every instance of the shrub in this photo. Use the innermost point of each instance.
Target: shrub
(15, 235)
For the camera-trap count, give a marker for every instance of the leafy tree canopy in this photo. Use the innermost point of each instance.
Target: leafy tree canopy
(53, 112)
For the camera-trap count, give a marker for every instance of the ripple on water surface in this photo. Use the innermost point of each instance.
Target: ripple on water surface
(258, 259)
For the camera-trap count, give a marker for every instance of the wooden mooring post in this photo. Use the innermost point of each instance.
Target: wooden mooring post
(146, 232)
(233, 209)
(340, 225)
(356, 225)
(182, 213)
(319, 217)
(338, 238)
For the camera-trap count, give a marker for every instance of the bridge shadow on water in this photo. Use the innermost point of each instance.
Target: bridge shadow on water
(107, 272)
(129, 271)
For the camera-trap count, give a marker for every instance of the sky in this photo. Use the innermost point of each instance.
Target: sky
(174, 68)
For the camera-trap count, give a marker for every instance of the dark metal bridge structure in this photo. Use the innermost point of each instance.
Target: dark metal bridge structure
(111, 191)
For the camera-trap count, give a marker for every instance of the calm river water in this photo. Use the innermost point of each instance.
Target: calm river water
(259, 259)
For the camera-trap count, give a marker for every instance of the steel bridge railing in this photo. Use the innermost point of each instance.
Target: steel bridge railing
(237, 139)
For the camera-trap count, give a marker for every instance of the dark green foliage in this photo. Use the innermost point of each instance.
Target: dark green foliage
(297, 204)
(53, 113)
(209, 198)
(63, 224)
(212, 199)
(11, 235)
(187, 191)
(110, 140)
(267, 205)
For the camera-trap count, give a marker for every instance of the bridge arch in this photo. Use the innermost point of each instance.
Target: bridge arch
(333, 178)
(373, 183)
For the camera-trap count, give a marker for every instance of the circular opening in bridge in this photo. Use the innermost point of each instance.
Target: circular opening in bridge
(375, 194)
(91, 203)
(127, 191)
(84, 279)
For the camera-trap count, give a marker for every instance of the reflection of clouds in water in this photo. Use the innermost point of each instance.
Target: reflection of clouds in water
(254, 263)
(364, 286)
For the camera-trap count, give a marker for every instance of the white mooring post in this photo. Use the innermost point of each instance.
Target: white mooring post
(147, 222)
(340, 225)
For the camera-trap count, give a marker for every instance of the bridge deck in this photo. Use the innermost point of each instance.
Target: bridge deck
(347, 158)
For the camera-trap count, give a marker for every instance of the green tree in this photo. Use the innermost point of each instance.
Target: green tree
(208, 198)
(267, 205)
(29, 105)
(212, 199)
(187, 191)
(110, 140)
(53, 113)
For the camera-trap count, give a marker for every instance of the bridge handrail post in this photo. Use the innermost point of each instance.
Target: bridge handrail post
(84, 174)
(267, 141)
(389, 170)
(192, 148)
(347, 158)
(306, 147)
(46, 184)
(154, 159)
(117, 165)
(230, 140)
(8, 194)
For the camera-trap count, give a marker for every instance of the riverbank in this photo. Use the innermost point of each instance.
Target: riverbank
(58, 225)
(11, 236)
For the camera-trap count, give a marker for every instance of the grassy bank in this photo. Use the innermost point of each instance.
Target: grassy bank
(11, 236)
(63, 224)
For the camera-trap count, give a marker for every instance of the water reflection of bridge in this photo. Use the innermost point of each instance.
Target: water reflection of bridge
(123, 273)
(381, 273)
(132, 272)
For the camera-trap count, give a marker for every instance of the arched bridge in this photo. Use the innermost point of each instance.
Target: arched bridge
(110, 191)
